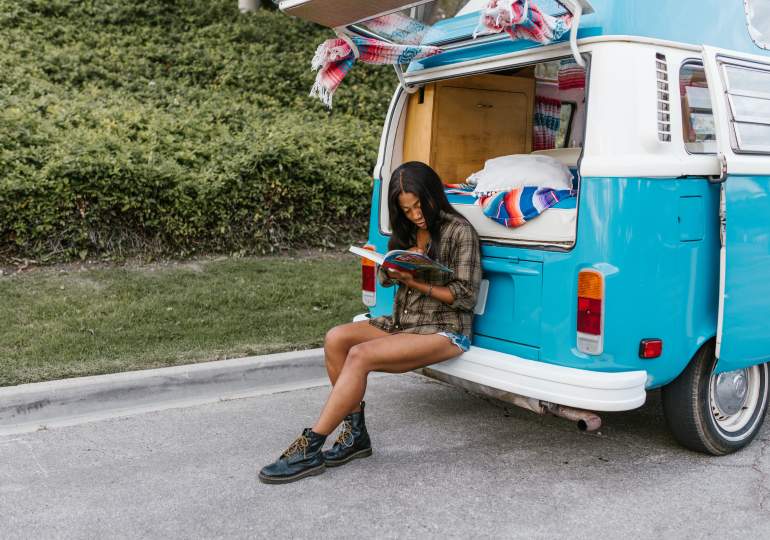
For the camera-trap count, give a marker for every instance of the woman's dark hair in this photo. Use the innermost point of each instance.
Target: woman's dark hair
(422, 181)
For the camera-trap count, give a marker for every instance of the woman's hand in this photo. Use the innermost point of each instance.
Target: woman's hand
(404, 277)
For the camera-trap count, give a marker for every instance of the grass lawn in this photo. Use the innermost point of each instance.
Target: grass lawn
(69, 322)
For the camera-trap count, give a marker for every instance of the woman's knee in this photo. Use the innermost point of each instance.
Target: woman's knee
(335, 338)
(359, 358)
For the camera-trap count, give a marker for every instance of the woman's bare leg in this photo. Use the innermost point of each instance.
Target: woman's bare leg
(338, 342)
(396, 353)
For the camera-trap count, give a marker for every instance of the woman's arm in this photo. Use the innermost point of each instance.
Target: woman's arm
(465, 261)
(443, 294)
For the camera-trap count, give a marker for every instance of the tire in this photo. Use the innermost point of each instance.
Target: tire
(716, 414)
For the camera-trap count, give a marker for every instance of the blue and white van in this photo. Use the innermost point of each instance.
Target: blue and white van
(656, 275)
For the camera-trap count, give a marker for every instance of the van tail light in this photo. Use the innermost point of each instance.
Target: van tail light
(590, 312)
(650, 348)
(368, 279)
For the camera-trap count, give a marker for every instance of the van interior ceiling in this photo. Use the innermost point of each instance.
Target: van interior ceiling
(456, 125)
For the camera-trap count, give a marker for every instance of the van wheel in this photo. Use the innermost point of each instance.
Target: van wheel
(716, 413)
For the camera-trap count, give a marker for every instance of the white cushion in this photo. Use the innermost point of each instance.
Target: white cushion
(568, 156)
(517, 170)
(554, 226)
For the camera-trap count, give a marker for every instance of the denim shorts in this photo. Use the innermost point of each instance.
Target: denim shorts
(460, 340)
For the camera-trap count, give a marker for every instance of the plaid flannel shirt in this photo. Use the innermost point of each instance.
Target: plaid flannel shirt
(417, 313)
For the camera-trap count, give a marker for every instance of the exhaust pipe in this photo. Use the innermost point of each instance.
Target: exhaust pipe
(586, 420)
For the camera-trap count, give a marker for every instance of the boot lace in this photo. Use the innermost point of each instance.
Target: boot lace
(299, 445)
(345, 438)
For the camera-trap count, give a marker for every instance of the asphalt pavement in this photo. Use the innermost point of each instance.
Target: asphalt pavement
(446, 464)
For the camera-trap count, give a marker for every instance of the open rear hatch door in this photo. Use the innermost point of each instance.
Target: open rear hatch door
(740, 94)
(423, 22)
(435, 22)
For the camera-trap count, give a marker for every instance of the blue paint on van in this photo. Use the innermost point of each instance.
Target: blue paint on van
(744, 335)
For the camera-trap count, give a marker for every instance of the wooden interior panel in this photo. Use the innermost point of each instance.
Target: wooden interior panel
(456, 125)
(419, 125)
(474, 125)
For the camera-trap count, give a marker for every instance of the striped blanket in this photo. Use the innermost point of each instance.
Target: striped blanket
(334, 58)
(522, 19)
(571, 75)
(512, 207)
(546, 123)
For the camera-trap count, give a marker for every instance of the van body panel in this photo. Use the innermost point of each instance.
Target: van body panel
(745, 340)
(684, 21)
(513, 308)
(657, 284)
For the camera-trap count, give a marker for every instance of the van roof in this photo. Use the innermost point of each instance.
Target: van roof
(697, 22)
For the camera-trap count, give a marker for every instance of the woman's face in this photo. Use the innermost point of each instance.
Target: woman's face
(410, 206)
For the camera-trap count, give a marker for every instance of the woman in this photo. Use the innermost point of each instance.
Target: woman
(431, 322)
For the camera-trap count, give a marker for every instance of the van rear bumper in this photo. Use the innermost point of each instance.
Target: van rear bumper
(580, 388)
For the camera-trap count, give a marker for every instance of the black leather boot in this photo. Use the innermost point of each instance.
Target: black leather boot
(303, 458)
(352, 442)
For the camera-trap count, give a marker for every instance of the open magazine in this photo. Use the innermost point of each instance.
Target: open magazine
(400, 259)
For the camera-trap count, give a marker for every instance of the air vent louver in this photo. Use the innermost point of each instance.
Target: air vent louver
(664, 101)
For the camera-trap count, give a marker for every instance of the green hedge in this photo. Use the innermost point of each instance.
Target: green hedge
(175, 126)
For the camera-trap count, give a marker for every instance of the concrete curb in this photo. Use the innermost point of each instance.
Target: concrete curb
(30, 407)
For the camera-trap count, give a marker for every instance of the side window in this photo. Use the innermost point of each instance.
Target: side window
(748, 94)
(565, 124)
(758, 19)
(697, 117)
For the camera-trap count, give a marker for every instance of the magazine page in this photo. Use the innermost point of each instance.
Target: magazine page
(368, 254)
(412, 261)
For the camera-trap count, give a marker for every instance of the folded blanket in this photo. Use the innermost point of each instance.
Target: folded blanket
(512, 207)
(522, 19)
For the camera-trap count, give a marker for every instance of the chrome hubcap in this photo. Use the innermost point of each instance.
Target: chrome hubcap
(734, 397)
(731, 390)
